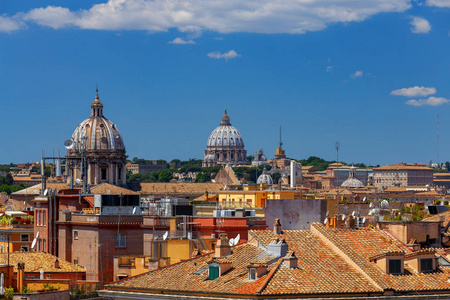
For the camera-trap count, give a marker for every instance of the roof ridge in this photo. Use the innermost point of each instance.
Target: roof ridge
(260, 289)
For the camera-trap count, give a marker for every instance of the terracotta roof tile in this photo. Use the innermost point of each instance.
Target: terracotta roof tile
(34, 261)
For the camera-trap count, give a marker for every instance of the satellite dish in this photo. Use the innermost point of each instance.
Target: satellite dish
(68, 144)
(33, 243)
(45, 192)
(78, 181)
(371, 204)
(364, 199)
(325, 221)
(363, 220)
(384, 203)
(231, 242)
(353, 214)
(237, 238)
(134, 210)
(326, 215)
(343, 217)
(165, 235)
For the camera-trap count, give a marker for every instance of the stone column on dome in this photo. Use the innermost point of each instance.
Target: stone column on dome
(88, 174)
(116, 174)
(110, 173)
(97, 175)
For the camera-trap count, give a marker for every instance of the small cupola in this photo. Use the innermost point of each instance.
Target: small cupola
(223, 246)
(291, 259)
(277, 229)
(97, 106)
(256, 270)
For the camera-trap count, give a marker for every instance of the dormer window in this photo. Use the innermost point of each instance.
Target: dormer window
(395, 266)
(390, 262)
(256, 270)
(426, 265)
(252, 274)
(213, 271)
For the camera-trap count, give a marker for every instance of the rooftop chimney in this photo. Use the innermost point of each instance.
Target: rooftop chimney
(278, 247)
(56, 264)
(277, 227)
(291, 259)
(223, 246)
(20, 273)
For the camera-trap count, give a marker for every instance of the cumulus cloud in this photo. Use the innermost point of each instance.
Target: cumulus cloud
(420, 25)
(227, 55)
(8, 24)
(180, 41)
(329, 68)
(439, 3)
(357, 74)
(415, 91)
(52, 16)
(432, 101)
(224, 16)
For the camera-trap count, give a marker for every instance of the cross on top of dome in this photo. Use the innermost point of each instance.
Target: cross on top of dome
(225, 119)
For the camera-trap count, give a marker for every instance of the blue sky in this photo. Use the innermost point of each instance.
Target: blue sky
(372, 75)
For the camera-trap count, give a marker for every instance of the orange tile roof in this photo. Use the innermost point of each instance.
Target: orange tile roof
(363, 243)
(106, 188)
(402, 167)
(330, 262)
(35, 189)
(179, 188)
(34, 261)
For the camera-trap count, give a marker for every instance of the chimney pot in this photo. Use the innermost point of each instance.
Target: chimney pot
(277, 229)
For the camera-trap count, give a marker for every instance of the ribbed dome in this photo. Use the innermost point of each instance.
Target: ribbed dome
(225, 134)
(352, 181)
(99, 132)
(264, 178)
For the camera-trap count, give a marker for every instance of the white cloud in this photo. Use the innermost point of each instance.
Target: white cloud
(219, 38)
(8, 24)
(329, 68)
(180, 41)
(420, 25)
(439, 3)
(52, 16)
(415, 91)
(228, 55)
(433, 101)
(258, 16)
(357, 74)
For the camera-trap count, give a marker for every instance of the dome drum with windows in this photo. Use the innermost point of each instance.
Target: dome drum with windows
(225, 145)
(99, 142)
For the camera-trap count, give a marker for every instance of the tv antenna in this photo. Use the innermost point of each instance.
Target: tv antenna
(438, 141)
(281, 143)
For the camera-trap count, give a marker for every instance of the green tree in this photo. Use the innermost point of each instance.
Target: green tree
(165, 176)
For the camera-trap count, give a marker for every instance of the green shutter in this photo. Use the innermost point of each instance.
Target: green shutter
(213, 272)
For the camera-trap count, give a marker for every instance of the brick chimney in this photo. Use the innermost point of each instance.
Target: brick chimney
(223, 246)
(291, 259)
(277, 227)
(20, 273)
(56, 264)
